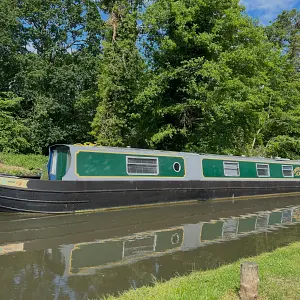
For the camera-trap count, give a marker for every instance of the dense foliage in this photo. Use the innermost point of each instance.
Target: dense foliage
(196, 75)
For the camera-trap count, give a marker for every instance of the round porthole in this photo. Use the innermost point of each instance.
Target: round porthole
(177, 167)
(175, 239)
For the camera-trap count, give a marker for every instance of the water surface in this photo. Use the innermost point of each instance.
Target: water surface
(88, 255)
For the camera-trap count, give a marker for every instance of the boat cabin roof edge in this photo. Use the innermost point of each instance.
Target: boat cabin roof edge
(75, 148)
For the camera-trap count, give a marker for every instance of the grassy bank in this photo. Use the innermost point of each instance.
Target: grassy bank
(279, 273)
(20, 164)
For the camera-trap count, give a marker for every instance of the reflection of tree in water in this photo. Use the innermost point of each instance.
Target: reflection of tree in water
(24, 275)
(144, 273)
(119, 278)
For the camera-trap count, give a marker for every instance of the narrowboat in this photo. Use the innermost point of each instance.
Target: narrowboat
(84, 178)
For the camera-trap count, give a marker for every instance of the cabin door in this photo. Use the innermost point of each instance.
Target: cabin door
(59, 163)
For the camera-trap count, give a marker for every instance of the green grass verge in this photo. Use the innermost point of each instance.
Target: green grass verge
(279, 273)
(21, 164)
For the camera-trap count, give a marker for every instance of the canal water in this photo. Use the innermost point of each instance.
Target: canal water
(86, 256)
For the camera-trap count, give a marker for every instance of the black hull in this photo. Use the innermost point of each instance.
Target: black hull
(67, 197)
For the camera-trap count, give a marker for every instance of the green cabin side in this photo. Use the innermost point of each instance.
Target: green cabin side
(92, 164)
(215, 168)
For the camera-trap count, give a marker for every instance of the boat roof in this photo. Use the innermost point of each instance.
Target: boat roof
(107, 148)
(123, 149)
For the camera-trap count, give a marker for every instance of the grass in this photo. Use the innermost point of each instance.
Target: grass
(279, 273)
(21, 164)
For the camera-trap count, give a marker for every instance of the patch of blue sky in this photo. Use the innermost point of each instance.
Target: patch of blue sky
(267, 10)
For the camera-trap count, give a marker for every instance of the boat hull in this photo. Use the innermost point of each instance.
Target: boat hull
(70, 196)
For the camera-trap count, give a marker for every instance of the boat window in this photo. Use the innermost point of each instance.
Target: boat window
(54, 163)
(141, 165)
(287, 171)
(177, 167)
(231, 168)
(263, 170)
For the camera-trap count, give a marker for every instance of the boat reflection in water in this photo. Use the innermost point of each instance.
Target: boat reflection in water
(86, 258)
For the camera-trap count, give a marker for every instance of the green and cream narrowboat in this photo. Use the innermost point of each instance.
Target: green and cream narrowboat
(88, 177)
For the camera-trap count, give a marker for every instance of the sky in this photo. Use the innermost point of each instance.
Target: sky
(267, 10)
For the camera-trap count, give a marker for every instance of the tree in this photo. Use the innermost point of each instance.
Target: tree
(285, 33)
(216, 79)
(13, 130)
(193, 75)
(121, 76)
(56, 66)
(282, 135)
(11, 43)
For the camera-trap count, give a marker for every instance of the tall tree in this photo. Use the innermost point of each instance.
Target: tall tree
(11, 43)
(216, 79)
(121, 76)
(285, 33)
(58, 66)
